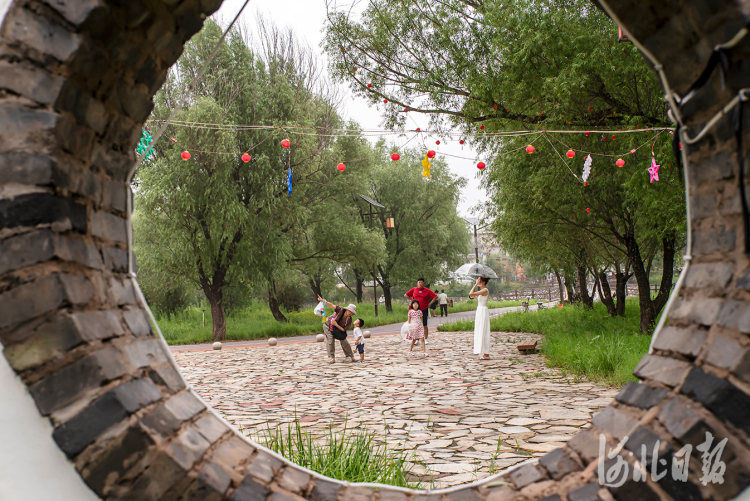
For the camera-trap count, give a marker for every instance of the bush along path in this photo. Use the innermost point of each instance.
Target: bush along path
(463, 419)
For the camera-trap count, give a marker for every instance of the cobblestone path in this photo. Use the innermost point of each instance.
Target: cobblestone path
(449, 408)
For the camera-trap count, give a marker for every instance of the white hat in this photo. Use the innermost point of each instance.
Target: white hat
(352, 308)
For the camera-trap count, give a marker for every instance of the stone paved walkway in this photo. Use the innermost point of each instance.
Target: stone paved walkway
(449, 408)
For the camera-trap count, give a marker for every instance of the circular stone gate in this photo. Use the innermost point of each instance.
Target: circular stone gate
(77, 79)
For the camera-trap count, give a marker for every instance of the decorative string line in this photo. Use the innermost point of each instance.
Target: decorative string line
(655, 137)
(452, 133)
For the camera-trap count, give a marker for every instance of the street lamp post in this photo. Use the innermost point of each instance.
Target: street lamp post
(372, 203)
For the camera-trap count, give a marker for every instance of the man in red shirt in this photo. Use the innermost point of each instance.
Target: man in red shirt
(425, 297)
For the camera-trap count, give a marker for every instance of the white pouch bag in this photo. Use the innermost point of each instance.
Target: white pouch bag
(404, 330)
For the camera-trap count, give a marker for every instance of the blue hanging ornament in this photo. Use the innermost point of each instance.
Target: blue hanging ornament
(289, 192)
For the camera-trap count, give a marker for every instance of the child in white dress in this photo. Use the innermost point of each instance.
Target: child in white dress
(416, 331)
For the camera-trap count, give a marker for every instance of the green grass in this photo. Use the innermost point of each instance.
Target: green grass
(350, 455)
(256, 322)
(584, 342)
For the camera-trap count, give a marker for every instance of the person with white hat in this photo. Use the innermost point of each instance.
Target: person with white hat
(335, 327)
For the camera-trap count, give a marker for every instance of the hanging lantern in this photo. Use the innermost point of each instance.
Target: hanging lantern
(369, 86)
(461, 141)
(585, 183)
(481, 127)
(588, 210)
(431, 154)
(390, 223)
(406, 110)
(437, 142)
(530, 149)
(246, 158)
(604, 139)
(591, 108)
(185, 155)
(632, 151)
(418, 129)
(481, 165)
(395, 157)
(571, 153)
(385, 101)
(494, 106)
(614, 137)
(586, 133)
(285, 143)
(620, 162)
(341, 167)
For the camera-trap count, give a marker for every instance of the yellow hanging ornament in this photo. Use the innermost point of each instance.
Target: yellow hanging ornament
(426, 167)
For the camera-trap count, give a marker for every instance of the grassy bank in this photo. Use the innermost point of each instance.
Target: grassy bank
(350, 455)
(256, 322)
(584, 342)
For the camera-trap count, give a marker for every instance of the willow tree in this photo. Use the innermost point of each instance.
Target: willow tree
(517, 64)
(219, 220)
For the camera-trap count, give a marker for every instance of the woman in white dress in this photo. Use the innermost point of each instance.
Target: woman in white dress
(482, 321)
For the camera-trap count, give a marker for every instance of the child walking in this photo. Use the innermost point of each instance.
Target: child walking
(359, 338)
(416, 331)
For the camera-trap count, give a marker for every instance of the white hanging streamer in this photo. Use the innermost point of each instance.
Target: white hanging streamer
(586, 168)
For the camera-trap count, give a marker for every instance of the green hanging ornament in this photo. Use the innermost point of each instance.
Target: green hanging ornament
(143, 144)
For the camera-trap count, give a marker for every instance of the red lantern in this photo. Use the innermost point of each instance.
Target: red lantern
(185, 155)
(586, 133)
(529, 149)
(588, 210)
(481, 127)
(481, 165)
(369, 86)
(680, 145)
(246, 158)
(385, 101)
(604, 139)
(395, 157)
(341, 167)
(285, 143)
(494, 106)
(437, 142)
(620, 162)
(418, 129)
(585, 183)
(406, 110)
(614, 137)
(591, 108)
(571, 153)
(461, 141)
(430, 154)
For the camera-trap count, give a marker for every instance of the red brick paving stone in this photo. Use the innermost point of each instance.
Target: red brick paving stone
(452, 412)
(309, 419)
(337, 410)
(395, 385)
(454, 380)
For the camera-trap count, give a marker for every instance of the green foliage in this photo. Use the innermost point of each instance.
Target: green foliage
(539, 62)
(429, 237)
(349, 455)
(585, 342)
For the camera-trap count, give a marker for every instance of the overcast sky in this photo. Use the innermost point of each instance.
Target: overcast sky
(307, 18)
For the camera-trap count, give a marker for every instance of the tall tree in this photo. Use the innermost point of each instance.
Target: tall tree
(428, 237)
(215, 219)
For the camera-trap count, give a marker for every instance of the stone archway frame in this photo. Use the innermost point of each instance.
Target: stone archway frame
(77, 81)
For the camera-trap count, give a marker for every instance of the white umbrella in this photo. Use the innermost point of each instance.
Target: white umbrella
(464, 270)
(480, 270)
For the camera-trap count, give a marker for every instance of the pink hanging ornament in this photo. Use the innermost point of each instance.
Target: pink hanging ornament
(654, 170)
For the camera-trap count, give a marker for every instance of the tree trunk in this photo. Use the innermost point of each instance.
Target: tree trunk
(387, 294)
(315, 285)
(218, 319)
(360, 278)
(648, 314)
(560, 286)
(273, 303)
(605, 293)
(570, 288)
(587, 300)
(621, 287)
